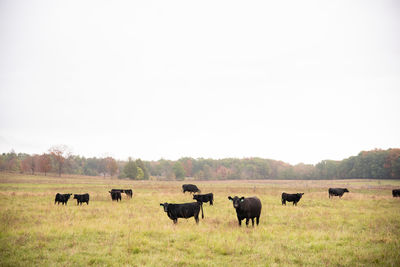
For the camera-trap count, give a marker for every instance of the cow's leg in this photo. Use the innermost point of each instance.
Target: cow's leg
(211, 202)
(252, 222)
(240, 221)
(197, 219)
(175, 221)
(247, 221)
(258, 220)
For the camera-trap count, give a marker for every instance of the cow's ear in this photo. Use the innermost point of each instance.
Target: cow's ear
(241, 199)
(161, 204)
(230, 198)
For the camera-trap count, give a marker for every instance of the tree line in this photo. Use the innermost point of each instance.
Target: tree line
(374, 164)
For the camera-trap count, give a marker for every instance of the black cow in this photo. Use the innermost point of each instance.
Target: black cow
(291, 198)
(185, 210)
(247, 208)
(117, 190)
(204, 198)
(81, 198)
(190, 188)
(396, 192)
(63, 198)
(128, 192)
(337, 192)
(115, 195)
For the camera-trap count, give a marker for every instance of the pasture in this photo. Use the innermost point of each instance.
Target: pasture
(360, 229)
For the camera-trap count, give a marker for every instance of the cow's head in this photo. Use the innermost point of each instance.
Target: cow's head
(165, 205)
(300, 194)
(75, 196)
(236, 201)
(345, 190)
(196, 197)
(68, 195)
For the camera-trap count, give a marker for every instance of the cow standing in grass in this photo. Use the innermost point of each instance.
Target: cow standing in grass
(63, 198)
(247, 208)
(185, 210)
(396, 192)
(115, 195)
(337, 192)
(127, 192)
(81, 198)
(190, 188)
(295, 198)
(204, 198)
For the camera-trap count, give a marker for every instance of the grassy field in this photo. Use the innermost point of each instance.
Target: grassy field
(361, 229)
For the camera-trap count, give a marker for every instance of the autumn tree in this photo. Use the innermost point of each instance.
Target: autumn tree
(112, 166)
(26, 164)
(60, 155)
(44, 163)
(108, 165)
(187, 165)
(30, 164)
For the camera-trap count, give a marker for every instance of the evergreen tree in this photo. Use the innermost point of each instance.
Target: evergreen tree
(130, 169)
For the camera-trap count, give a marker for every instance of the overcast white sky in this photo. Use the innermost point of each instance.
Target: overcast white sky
(298, 81)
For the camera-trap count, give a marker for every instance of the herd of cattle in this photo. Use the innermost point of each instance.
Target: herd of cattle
(84, 198)
(246, 208)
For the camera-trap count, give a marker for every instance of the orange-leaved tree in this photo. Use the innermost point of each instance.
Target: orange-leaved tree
(60, 154)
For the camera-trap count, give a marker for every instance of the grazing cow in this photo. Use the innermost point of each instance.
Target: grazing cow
(128, 192)
(247, 208)
(337, 192)
(115, 195)
(204, 198)
(396, 192)
(291, 198)
(63, 198)
(185, 210)
(190, 188)
(81, 198)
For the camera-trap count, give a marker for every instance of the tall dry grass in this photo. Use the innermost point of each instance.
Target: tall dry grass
(361, 229)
